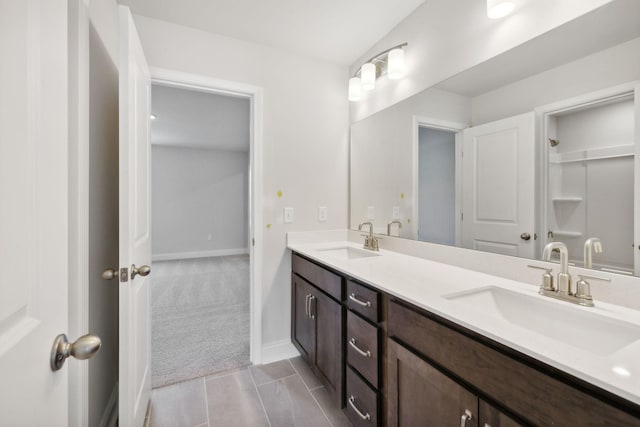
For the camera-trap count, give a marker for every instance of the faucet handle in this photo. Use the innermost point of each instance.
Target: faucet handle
(547, 278)
(583, 288)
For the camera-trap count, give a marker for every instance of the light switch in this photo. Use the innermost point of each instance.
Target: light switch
(322, 214)
(370, 212)
(396, 212)
(288, 215)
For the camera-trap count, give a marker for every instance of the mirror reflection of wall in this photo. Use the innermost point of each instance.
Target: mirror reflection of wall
(436, 186)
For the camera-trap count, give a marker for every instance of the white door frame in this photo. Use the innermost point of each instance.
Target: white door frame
(432, 123)
(254, 94)
(543, 115)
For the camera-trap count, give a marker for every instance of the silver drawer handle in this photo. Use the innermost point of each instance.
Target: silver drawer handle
(355, 408)
(354, 298)
(306, 304)
(467, 416)
(352, 343)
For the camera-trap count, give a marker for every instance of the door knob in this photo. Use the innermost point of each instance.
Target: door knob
(143, 271)
(110, 273)
(525, 236)
(83, 348)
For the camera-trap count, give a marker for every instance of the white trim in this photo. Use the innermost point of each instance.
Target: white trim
(110, 414)
(78, 61)
(198, 254)
(543, 116)
(255, 94)
(432, 123)
(279, 350)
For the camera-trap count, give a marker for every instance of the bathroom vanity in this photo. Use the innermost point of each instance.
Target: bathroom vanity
(404, 341)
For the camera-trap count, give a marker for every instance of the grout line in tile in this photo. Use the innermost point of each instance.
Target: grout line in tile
(275, 381)
(206, 401)
(321, 408)
(316, 387)
(297, 372)
(255, 386)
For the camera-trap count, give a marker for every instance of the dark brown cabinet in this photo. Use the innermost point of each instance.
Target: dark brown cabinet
(317, 324)
(419, 394)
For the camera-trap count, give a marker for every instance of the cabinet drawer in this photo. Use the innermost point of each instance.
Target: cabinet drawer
(516, 381)
(362, 401)
(363, 300)
(320, 277)
(362, 347)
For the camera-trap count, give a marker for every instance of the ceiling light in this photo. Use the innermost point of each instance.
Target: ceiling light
(355, 89)
(368, 76)
(152, 117)
(395, 69)
(499, 8)
(389, 62)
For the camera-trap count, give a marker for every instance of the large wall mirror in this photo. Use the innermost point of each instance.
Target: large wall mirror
(536, 145)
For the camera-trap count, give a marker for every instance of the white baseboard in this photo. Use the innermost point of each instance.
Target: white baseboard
(110, 414)
(278, 351)
(198, 254)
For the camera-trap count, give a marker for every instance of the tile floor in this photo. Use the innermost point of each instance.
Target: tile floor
(280, 394)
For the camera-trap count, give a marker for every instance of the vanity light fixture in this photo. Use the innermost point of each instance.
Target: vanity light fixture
(389, 62)
(497, 9)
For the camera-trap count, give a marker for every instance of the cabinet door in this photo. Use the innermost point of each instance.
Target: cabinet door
(303, 328)
(420, 395)
(492, 417)
(327, 315)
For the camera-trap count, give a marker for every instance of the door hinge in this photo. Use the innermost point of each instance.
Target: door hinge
(461, 216)
(124, 274)
(253, 241)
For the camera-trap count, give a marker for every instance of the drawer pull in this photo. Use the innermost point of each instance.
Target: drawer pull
(306, 305)
(312, 307)
(354, 298)
(355, 408)
(352, 343)
(467, 416)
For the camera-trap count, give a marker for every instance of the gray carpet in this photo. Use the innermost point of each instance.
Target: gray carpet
(199, 317)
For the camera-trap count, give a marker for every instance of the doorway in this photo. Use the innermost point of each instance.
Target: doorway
(205, 155)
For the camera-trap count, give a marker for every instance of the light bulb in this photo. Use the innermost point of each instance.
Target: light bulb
(395, 67)
(355, 89)
(499, 8)
(368, 76)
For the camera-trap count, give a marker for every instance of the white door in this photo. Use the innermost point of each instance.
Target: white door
(34, 242)
(135, 227)
(498, 186)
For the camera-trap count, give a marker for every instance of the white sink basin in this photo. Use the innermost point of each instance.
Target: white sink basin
(577, 327)
(348, 253)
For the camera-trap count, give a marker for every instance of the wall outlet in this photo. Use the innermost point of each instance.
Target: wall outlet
(322, 214)
(209, 236)
(288, 215)
(370, 212)
(396, 212)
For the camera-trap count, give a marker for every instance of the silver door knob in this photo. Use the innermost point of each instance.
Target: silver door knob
(110, 273)
(525, 236)
(143, 271)
(83, 348)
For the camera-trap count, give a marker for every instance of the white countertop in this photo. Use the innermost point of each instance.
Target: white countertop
(425, 284)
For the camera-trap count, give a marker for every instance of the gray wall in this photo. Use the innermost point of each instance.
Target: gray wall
(199, 202)
(436, 186)
(103, 224)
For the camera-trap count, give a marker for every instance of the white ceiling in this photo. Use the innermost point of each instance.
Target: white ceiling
(337, 31)
(188, 118)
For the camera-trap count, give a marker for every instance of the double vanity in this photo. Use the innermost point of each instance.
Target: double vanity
(400, 340)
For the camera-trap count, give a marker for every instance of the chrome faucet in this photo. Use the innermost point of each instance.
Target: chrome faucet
(390, 223)
(564, 291)
(370, 242)
(564, 278)
(591, 245)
